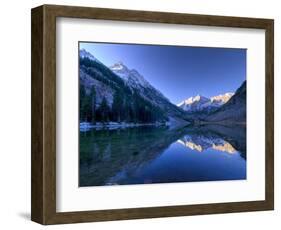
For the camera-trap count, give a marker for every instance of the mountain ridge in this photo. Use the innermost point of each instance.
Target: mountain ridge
(119, 86)
(201, 103)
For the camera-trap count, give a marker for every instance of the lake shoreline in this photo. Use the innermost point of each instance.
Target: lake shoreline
(86, 126)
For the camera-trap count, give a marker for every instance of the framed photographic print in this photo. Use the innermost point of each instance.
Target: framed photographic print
(140, 114)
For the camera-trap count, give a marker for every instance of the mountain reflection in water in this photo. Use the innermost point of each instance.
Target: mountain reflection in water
(202, 143)
(144, 155)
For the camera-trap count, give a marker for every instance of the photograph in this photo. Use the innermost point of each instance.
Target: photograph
(153, 114)
(141, 114)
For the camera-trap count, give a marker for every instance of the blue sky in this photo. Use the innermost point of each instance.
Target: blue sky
(178, 72)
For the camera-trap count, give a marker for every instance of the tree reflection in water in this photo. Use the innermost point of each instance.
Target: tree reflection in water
(161, 155)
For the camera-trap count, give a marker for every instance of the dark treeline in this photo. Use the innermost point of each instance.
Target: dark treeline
(123, 109)
(127, 106)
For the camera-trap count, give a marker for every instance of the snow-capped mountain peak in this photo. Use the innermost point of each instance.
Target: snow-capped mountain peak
(135, 80)
(119, 66)
(192, 100)
(201, 103)
(85, 54)
(199, 98)
(222, 98)
(121, 70)
(131, 76)
(194, 103)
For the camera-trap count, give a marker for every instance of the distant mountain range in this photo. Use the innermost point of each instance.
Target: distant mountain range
(203, 104)
(117, 93)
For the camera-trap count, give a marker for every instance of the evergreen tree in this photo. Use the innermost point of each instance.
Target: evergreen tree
(93, 104)
(82, 95)
(85, 102)
(126, 110)
(104, 110)
(87, 108)
(117, 106)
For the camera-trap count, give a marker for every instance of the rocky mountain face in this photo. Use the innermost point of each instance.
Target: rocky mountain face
(234, 110)
(85, 54)
(118, 86)
(135, 81)
(131, 77)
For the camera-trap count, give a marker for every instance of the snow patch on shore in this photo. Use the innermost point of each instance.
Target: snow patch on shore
(86, 126)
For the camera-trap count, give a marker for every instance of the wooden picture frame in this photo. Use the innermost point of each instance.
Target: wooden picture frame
(43, 208)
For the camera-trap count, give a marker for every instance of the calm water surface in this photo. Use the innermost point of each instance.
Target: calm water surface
(158, 155)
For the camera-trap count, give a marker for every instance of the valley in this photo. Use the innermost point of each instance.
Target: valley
(119, 97)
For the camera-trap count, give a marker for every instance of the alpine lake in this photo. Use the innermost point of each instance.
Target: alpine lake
(150, 154)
